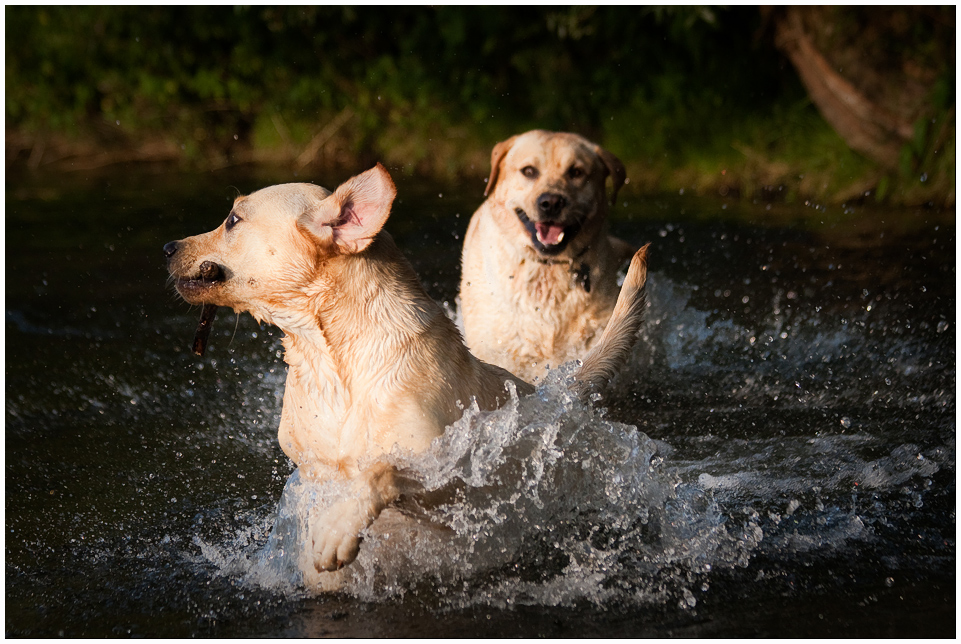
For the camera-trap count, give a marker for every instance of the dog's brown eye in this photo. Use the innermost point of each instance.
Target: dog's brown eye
(232, 220)
(575, 173)
(530, 171)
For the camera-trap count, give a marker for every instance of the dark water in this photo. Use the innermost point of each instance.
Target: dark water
(778, 460)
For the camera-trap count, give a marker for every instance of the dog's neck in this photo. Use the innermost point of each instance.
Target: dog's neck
(570, 260)
(365, 312)
(579, 269)
(365, 307)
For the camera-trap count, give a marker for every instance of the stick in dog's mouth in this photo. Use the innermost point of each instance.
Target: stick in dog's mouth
(203, 329)
(209, 271)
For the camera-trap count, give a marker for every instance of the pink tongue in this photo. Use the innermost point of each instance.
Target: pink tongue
(547, 233)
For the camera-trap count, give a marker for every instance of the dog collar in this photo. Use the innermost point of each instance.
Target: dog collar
(580, 272)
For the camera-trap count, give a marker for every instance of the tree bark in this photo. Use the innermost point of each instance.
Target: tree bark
(865, 126)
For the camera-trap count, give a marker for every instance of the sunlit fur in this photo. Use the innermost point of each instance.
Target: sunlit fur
(522, 309)
(374, 363)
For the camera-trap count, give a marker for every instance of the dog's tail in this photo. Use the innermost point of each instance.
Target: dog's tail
(617, 341)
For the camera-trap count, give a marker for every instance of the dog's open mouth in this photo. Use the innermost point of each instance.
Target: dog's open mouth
(210, 276)
(548, 237)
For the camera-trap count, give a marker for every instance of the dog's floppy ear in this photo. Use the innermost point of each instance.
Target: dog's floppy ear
(354, 213)
(497, 155)
(614, 168)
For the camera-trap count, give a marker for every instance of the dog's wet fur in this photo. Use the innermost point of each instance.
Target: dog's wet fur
(374, 363)
(539, 280)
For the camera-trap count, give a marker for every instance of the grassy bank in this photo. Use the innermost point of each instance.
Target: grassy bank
(690, 98)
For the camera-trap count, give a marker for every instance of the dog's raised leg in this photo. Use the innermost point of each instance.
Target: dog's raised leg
(334, 534)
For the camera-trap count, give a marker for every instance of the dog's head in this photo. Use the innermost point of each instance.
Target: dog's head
(553, 183)
(270, 247)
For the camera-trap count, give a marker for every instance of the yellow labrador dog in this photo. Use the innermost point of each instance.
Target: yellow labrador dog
(539, 280)
(374, 363)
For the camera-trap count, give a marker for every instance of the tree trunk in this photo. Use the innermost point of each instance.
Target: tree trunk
(861, 69)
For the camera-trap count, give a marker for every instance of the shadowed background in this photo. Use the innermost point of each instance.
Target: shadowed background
(840, 104)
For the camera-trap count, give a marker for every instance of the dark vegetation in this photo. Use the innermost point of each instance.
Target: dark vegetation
(713, 100)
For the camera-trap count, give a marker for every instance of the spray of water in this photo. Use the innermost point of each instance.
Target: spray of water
(543, 501)
(548, 502)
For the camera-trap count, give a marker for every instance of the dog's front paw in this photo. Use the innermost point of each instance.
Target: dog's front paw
(335, 535)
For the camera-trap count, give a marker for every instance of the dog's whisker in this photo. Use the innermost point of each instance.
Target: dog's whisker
(236, 326)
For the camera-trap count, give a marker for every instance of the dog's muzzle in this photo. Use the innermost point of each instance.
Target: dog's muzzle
(550, 205)
(208, 274)
(548, 236)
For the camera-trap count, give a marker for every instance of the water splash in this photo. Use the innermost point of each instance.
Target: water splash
(543, 501)
(548, 502)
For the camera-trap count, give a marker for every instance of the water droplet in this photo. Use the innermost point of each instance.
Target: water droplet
(845, 422)
(889, 582)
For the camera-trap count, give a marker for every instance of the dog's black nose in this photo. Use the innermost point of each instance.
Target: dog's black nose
(550, 204)
(170, 249)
